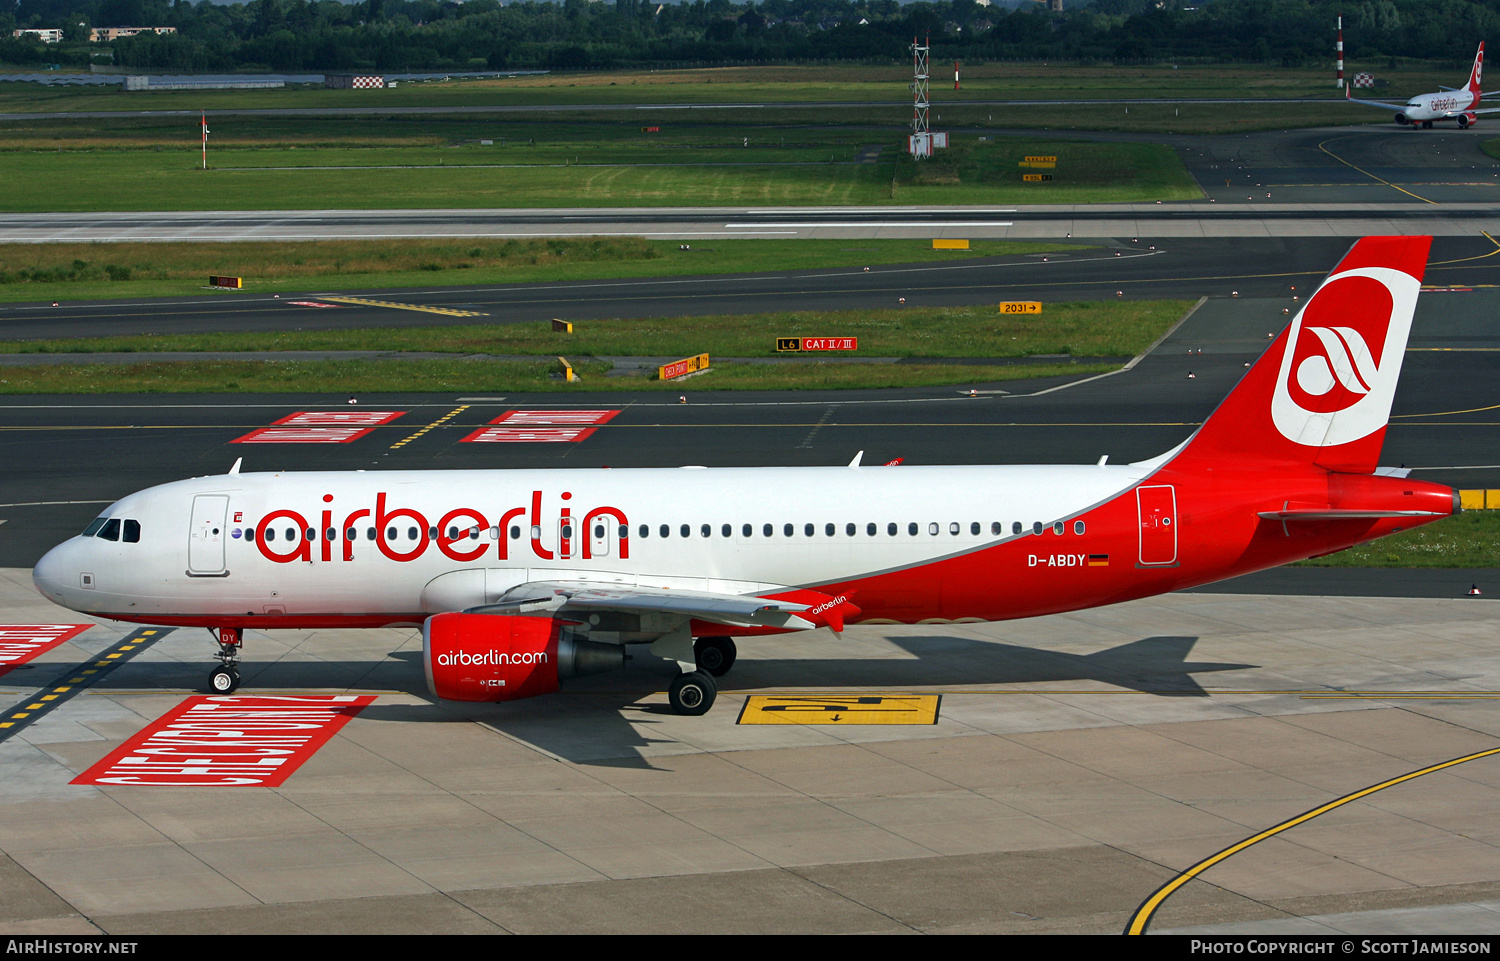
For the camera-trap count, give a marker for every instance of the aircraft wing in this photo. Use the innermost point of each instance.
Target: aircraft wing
(791, 608)
(1376, 103)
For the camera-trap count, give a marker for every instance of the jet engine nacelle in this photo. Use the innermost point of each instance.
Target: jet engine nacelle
(498, 657)
(1401, 119)
(1466, 120)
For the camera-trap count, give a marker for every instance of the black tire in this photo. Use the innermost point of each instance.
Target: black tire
(692, 694)
(223, 681)
(715, 655)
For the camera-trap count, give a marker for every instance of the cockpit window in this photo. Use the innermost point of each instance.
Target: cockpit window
(94, 526)
(131, 532)
(111, 529)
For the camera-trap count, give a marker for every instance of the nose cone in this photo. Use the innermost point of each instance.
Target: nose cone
(56, 572)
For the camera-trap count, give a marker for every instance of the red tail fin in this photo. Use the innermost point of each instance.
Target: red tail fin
(1322, 393)
(1474, 75)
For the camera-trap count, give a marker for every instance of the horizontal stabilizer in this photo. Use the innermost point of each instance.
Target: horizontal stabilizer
(1333, 514)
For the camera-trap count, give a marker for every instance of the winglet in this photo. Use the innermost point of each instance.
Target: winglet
(824, 610)
(236, 468)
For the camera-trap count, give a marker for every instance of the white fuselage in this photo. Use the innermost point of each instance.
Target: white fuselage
(280, 545)
(1439, 106)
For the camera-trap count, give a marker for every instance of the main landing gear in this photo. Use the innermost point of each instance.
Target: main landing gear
(226, 677)
(692, 693)
(714, 655)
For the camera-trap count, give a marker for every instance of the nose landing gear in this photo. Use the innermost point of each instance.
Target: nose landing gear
(226, 677)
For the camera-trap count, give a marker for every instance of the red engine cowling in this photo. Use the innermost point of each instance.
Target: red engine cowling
(484, 657)
(496, 657)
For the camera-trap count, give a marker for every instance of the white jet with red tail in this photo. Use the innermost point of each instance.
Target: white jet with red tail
(1450, 103)
(521, 579)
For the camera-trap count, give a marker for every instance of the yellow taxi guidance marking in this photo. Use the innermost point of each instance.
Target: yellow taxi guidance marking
(840, 709)
(448, 311)
(1143, 914)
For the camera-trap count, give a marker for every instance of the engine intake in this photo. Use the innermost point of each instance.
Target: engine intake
(496, 657)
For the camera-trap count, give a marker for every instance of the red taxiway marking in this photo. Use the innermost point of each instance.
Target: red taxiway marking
(20, 643)
(228, 741)
(365, 418)
(517, 418)
(528, 435)
(303, 435)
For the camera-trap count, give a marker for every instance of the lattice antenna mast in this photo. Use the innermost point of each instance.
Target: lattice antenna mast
(920, 102)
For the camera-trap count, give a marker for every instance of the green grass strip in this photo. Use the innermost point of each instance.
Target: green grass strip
(1078, 329)
(1470, 539)
(95, 271)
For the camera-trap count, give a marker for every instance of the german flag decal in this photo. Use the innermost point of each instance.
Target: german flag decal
(1098, 560)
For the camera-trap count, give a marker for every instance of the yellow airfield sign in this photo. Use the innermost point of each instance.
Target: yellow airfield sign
(841, 709)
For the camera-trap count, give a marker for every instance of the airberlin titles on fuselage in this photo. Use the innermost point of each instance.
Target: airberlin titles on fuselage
(457, 532)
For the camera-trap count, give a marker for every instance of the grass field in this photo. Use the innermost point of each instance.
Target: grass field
(769, 84)
(47, 272)
(1084, 329)
(462, 376)
(1470, 539)
(598, 173)
(1079, 330)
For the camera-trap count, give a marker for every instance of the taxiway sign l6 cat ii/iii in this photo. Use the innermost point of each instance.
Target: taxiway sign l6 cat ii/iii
(521, 579)
(1456, 103)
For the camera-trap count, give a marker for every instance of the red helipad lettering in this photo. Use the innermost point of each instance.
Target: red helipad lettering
(20, 643)
(528, 435)
(228, 741)
(303, 435)
(517, 418)
(364, 418)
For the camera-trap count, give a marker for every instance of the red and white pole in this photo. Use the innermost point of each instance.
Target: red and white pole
(1340, 77)
(204, 124)
(955, 75)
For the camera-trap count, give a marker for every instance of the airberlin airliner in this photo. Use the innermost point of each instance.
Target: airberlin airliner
(521, 579)
(1450, 103)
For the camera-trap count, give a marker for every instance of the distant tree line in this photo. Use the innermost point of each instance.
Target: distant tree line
(397, 35)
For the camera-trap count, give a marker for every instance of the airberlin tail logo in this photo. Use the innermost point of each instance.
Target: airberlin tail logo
(1343, 357)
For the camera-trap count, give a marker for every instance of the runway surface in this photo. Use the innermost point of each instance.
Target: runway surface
(1078, 762)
